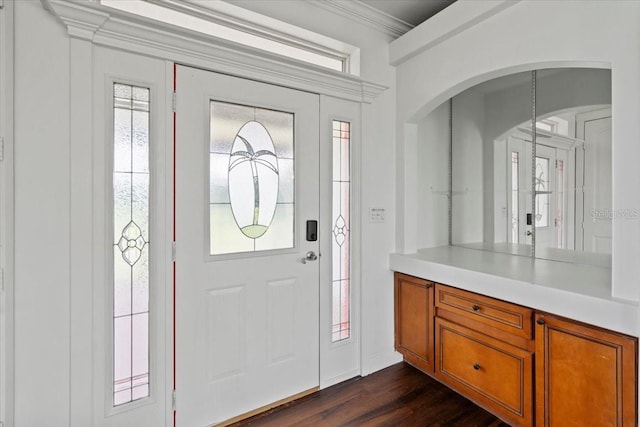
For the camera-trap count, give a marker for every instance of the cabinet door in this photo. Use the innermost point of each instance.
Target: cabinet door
(585, 376)
(414, 320)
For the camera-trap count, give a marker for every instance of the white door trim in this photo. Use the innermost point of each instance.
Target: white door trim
(6, 215)
(91, 307)
(340, 360)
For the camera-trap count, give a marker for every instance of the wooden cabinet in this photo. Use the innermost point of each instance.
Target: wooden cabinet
(509, 322)
(584, 375)
(495, 374)
(484, 351)
(414, 320)
(523, 366)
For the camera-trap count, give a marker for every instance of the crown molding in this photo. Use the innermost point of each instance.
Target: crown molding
(367, 15)
(451, 21)
(116, 29)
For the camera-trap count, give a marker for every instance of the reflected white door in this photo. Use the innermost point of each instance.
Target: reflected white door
(519, 201)
(247, 307)
(596, 182)
(519, 197)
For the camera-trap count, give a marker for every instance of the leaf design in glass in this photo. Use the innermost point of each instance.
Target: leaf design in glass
(253, 179)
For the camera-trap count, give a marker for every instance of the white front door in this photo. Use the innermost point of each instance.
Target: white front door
(519, 202)
(247, 306)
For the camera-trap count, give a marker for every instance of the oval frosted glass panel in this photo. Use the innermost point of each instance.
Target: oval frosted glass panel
(253, 179)
(251, 176)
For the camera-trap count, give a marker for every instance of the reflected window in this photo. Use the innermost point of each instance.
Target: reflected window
(560, 204)
(515, 208)
(542, 192)
(554, 124)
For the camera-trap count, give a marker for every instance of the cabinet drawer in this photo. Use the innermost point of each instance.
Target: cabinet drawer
(491, 372)
(481, 310)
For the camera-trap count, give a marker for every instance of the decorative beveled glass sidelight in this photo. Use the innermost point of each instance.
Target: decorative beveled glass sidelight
(341, 242)
(131, 243)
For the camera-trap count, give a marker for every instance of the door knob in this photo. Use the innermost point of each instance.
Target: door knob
(310, 256)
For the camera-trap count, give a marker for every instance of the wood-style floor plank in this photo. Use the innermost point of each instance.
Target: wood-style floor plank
(397, 396)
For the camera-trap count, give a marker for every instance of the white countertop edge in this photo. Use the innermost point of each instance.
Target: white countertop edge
(616, 315)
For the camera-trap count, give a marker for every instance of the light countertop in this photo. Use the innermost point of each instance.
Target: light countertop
(577, 291)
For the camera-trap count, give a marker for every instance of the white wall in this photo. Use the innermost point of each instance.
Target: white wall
(42, 218)
(555, 91)
(378, 166)
(467, 164)
(433, 181)
(574, 34)
(46, 352)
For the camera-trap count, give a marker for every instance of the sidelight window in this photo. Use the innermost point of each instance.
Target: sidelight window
(542, 192)
(515, 208)
(130, 243)
(341, 237)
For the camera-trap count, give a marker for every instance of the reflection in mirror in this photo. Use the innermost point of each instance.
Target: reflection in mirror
(573, 195)
(489, 190)
(503, 195)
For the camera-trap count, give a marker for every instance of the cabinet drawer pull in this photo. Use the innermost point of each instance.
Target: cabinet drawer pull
(475, 307)
(540, 321)
(476, 366)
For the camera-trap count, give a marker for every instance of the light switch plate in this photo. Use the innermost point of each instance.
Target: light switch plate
(376, 214)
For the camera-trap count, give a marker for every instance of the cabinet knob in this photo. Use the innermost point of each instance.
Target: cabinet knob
(540, 321)
(475, 307)
(476, 366)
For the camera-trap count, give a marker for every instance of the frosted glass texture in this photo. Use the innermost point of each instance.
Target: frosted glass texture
(131, 243)
(251, 179)
(341, 242)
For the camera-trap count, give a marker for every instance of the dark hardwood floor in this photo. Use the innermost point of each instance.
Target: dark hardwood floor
(397, 396)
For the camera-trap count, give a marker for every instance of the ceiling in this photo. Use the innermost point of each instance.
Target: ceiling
(413, 12)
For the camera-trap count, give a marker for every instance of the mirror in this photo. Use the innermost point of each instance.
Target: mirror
(546, 194)
(573, 165)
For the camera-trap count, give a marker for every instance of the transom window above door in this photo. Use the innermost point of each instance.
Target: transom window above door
(237, 25)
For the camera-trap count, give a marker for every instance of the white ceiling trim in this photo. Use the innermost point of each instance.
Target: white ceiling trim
(117, 29)
(443, 26)
(244, 20)
(366, 15)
